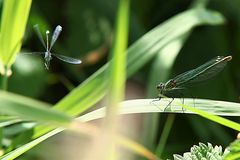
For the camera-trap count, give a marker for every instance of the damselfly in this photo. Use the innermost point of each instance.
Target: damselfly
(47, 54)
(204, 72)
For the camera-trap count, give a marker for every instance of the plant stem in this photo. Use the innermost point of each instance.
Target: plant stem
(165, 133)
(4, 81)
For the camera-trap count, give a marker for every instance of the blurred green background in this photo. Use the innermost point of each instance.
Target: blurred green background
(88, 28)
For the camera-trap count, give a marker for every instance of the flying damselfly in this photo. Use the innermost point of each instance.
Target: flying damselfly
(204, 72)
(48, 54)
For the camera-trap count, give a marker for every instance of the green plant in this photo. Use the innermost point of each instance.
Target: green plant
(202, 151)
(162, 43)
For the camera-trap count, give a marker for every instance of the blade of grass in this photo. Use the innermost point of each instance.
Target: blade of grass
(164, 135)
(7, 121)
(14, 19)
(117, 65)
(205, 108)
(13, 24)
(221, 108)
(19, 151)
(218, 119)
(116, 77)
(30, 109)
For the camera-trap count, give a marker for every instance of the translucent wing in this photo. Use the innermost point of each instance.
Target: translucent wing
(36, 29)
(203, 72)
(67, 59)
(35, 53)
(55, 35)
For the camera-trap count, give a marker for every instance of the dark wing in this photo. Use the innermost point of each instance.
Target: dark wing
(203, 72)
(67, 59)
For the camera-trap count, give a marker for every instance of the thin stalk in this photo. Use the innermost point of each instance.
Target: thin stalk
(117, 72)
(165, 133)
(4, 81)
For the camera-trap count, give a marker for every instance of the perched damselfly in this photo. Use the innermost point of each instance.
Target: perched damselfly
(47, 54)
(204, 72)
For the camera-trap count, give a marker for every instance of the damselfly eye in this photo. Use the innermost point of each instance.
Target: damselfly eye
(160, 86)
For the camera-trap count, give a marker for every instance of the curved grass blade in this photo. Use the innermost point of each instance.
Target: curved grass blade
(19, 151)
(29, 109)
(221, 108)
(205, 108)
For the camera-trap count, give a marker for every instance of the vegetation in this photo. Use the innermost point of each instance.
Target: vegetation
(106, 107)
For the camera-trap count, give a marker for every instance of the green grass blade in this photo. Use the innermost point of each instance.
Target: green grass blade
(8, 120)
(150, 44)
(206, 108)
(30, 109)
(165, 134)
(117, 65)
(19, 151)
(215, 118)
(221, 108)
(13, 23)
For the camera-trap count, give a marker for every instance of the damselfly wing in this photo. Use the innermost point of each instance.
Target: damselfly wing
(47, 54)
(204, 72)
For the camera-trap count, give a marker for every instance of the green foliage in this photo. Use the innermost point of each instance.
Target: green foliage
(88, 27)
(93, 89)
(12, 29)
(117, 71)
(30, 73)
(30, 109)
(202, 152)
(233, 151)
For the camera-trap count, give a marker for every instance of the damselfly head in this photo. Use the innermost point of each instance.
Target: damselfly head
(160, 86)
